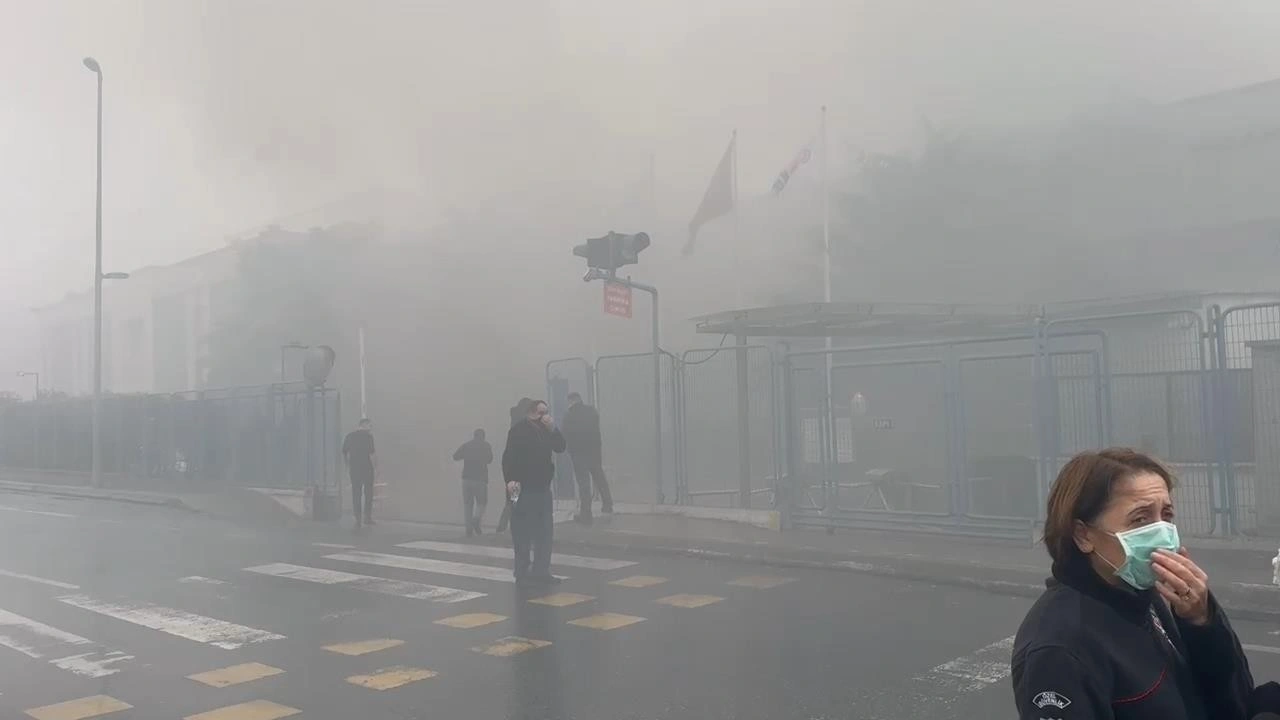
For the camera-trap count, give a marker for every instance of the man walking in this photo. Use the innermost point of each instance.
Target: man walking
(361, 459)
(527, 469)
(582, 437)
(475, 454)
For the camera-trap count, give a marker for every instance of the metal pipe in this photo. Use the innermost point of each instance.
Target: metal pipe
(95, 475)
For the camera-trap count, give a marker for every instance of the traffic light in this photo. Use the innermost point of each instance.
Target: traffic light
(612, 251)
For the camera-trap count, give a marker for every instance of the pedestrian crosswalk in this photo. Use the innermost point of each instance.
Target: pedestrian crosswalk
(203, 611)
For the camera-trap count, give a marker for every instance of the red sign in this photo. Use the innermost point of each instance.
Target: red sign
(617, 300)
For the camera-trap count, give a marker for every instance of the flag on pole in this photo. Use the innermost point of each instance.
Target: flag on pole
(804, 155)
(719, 198)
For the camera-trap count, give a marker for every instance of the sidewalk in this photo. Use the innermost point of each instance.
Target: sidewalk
(1240, 572)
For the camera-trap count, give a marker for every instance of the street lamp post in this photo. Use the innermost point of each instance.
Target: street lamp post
(295, 345)
(36, 375)
(95, 477)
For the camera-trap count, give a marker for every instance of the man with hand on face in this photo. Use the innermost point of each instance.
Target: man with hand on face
(527, 469)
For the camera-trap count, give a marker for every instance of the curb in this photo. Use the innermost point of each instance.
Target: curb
(89, 494)
(1240, 603)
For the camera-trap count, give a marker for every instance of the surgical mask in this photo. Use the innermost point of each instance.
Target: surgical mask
(1139, 546)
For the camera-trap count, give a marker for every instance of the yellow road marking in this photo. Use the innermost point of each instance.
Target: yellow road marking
(689, 601)
(391, 678)
(363, 647)
(639, 581)
(563, 599)
(89, 707)
(508, 646)
(606, 621)
(762, 582)
(471, 620)
(235, 674)
(256, 710)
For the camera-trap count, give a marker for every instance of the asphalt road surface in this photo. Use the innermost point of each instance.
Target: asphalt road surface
(129, 612)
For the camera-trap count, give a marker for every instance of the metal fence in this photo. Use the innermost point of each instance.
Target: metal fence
(282, 436)
(959, 435)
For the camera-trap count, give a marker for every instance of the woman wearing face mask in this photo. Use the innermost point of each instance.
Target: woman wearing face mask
(1127, 628)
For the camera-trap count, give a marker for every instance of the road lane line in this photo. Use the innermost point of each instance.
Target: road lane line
(561, 599)
(639, 581)
(363, 647)
(1262, 649)
(9, 508)
(35, 579)
(201, 629)
(201, 580)
(400, 588)
(255, 710)
(82, 709)
(69, 651)
(235, 675)
(391, 678)
(335, 546)
(606, 621)
(578, 561)
(985, 666)
(428, 565)
(471, 620)
(511, 645)
(689, 601)
(761, 582)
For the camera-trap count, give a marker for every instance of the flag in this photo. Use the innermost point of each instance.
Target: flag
(784, 176)
(719, 198)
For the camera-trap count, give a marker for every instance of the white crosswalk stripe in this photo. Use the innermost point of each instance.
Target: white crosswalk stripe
(427, 565)
(211, 631)
(63, 649)
(401, 588)
(578, 561)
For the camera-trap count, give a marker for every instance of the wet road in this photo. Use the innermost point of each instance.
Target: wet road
(127, 612)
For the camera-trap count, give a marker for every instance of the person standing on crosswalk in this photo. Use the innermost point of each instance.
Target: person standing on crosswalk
(476, 454)
(518, 413)
(527, 470)
(361, 459)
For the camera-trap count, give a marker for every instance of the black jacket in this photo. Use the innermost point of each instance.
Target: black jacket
(527, 456)
(1090, 651)
(581, 428)
(475, 454)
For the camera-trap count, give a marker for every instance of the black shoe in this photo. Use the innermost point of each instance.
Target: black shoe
(582, 519)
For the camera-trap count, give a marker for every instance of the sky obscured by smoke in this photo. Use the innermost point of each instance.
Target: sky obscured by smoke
(224, 115)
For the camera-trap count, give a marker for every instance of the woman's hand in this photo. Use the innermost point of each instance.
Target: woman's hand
(1183, 584)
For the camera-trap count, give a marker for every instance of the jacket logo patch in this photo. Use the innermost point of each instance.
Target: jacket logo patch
(1049, 697)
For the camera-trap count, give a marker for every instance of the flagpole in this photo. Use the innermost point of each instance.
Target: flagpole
(826, 298)
(737, 229)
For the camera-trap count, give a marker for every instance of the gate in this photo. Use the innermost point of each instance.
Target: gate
(713, 443)
(625, 397)
(563, 377)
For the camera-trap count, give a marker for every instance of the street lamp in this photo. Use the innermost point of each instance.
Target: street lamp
(295, 345)
(95, 476)
(36, 375)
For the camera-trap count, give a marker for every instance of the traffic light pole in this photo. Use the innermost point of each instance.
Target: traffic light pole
(612, 276)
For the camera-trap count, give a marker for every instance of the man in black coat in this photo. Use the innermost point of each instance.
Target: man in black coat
(476, 454)
(586, 450)
(527, 468)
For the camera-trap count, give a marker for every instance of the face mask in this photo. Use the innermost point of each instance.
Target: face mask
(1139, 545)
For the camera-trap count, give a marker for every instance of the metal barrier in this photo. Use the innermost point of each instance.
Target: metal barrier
(565, 376)
(625, 397)
(710, 448)
(1247, 413)
(283, 436)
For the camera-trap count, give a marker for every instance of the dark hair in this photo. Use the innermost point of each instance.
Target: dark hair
(1082, 491)
(533, 404)
(574, 396)
(364, 421)
(479, 434)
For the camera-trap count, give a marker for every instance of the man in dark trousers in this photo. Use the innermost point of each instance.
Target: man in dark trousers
(586, 450)
(528, 469)
(475, 454)
(361, 460)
